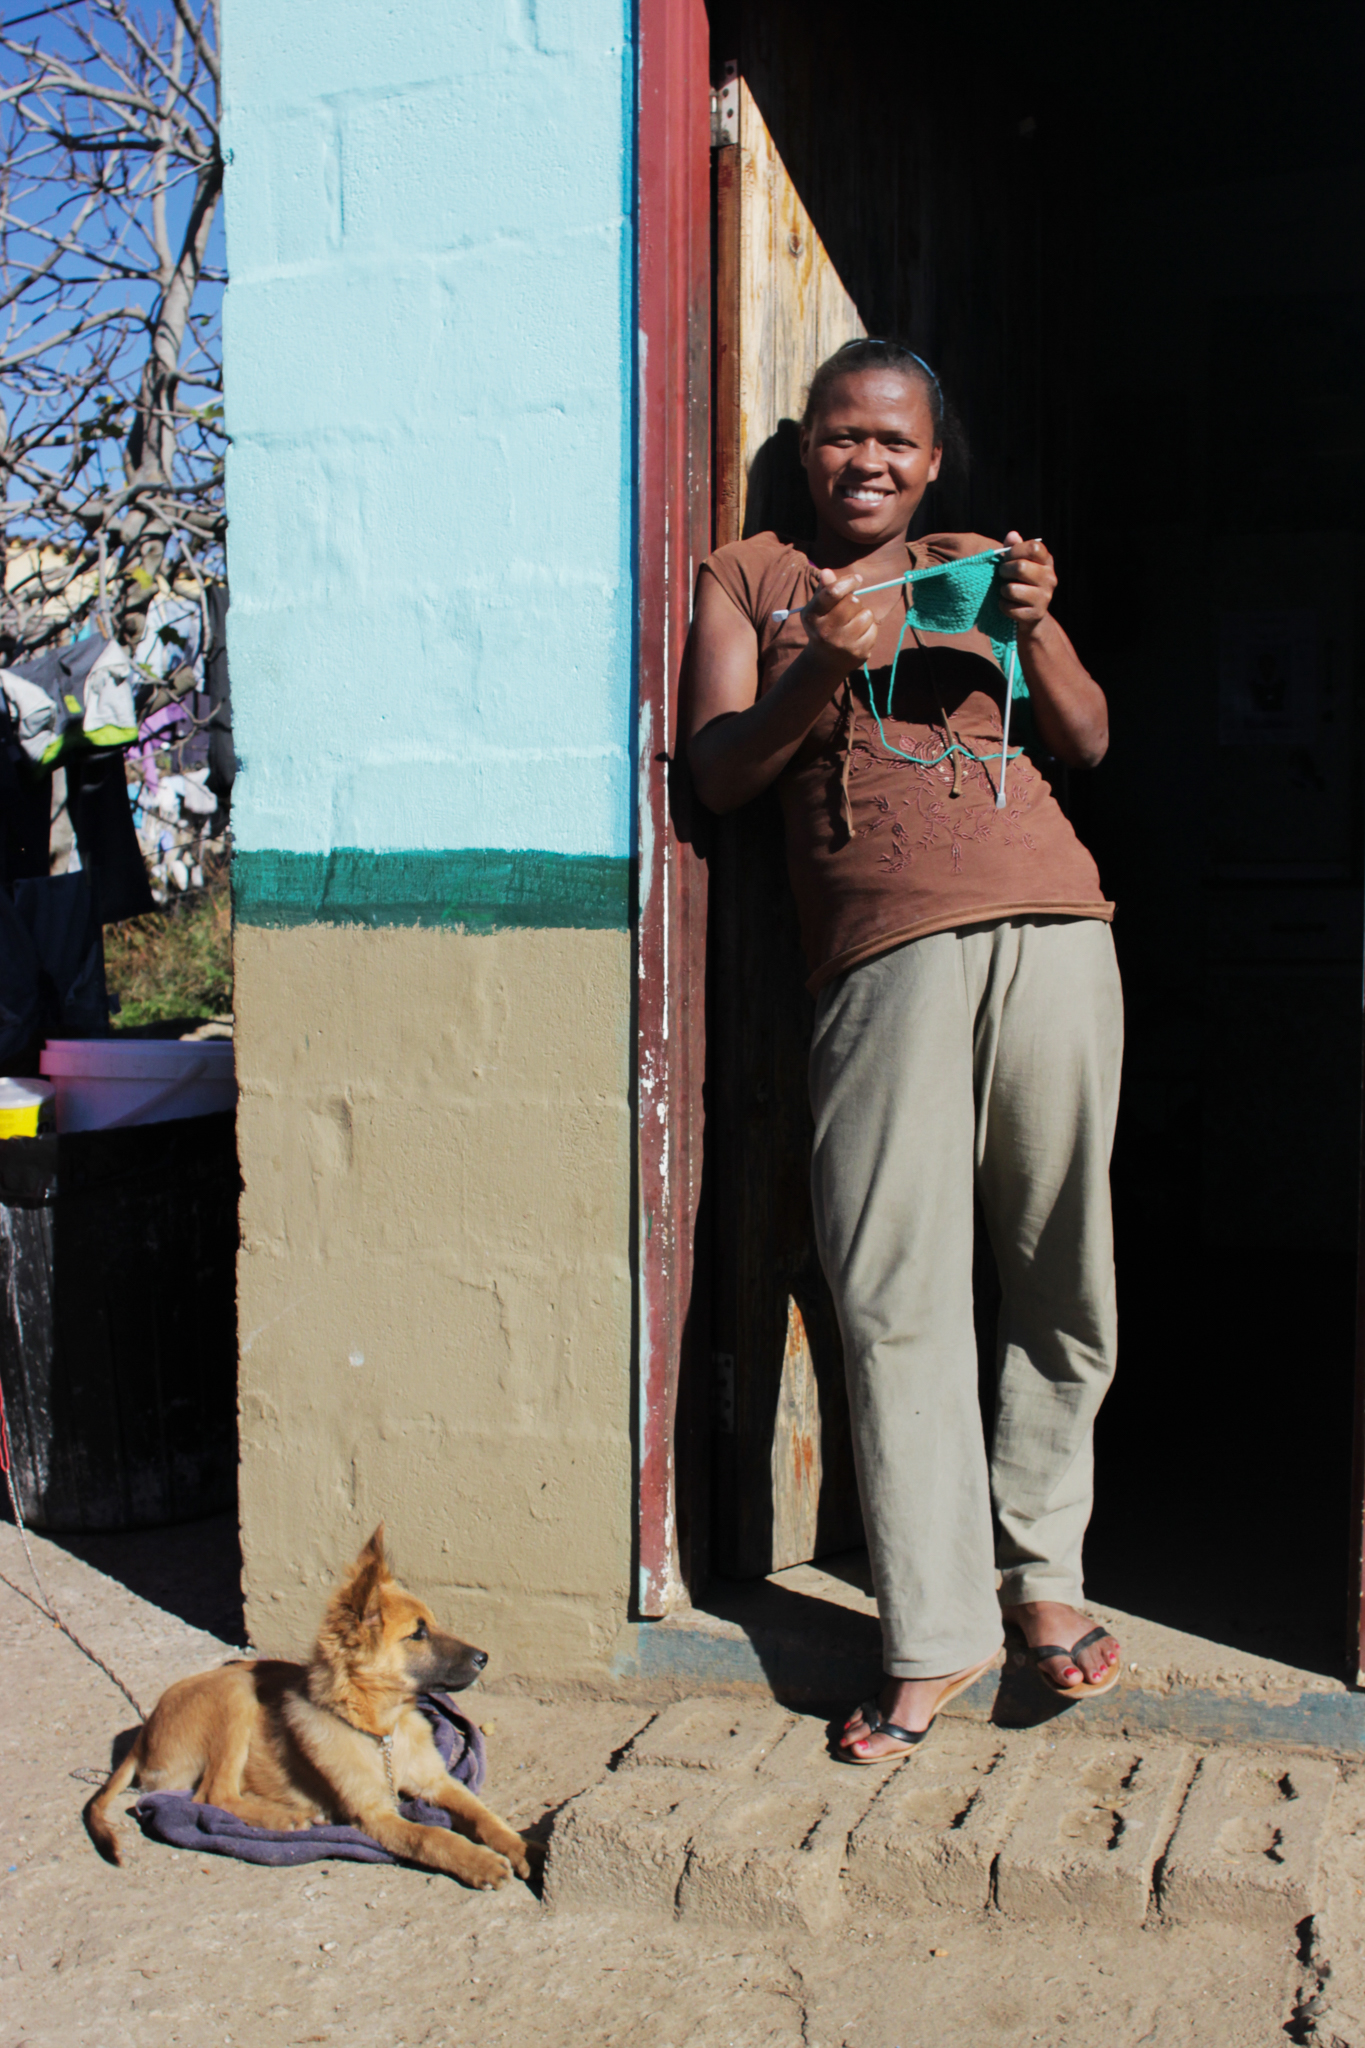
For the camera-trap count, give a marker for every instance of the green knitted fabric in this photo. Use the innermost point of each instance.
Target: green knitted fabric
(952, 597)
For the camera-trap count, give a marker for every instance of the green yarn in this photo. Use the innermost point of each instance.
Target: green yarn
(953, 597)
(955, 746)
(962, 596)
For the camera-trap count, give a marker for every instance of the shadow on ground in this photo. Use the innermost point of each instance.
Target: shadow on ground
(193, 1569)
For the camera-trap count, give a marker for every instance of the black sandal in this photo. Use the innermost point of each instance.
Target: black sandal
(1086, 1689)
(909, 1738)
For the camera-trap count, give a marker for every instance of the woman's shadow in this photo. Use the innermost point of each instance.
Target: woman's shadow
(778, 499)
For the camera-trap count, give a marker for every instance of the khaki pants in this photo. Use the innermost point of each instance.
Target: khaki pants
(984, 1057)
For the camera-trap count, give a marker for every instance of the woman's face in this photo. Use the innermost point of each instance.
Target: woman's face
(869, 456)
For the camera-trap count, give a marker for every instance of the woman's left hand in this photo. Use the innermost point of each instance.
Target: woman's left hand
(1025, 581)
(1069, 712)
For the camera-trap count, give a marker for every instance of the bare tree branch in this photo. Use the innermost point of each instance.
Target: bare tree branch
(110, 177)
(208, 55)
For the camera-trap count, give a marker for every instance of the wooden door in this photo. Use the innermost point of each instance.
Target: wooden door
(784, 1488)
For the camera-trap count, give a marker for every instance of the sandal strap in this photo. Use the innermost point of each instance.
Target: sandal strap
(872, 1715)
(1043, 1651)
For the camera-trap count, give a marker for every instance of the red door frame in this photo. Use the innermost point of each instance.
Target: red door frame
(673, 307)
(1355, 1615)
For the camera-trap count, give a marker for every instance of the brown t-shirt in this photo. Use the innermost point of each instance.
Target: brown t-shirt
(879, 849)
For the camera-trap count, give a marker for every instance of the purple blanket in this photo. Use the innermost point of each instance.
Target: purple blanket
(179, 1819)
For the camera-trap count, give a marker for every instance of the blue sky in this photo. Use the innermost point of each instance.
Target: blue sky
(55, 29)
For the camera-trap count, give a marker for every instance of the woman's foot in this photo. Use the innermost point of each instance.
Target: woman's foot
(908, 1703)
(1050, 1621)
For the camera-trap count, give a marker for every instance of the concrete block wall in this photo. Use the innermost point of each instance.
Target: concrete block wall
(428, 333)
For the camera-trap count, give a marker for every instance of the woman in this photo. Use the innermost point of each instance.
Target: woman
(968, 1031)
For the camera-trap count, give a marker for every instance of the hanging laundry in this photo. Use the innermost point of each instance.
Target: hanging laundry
(51, 967)
(77, 696)
(172, 639)
(222, 753)
(102, 819)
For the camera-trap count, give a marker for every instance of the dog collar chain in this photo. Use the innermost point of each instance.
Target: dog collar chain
(385, 1744)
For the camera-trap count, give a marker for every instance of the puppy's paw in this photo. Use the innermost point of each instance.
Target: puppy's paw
(525, 1857)
(486, 1871)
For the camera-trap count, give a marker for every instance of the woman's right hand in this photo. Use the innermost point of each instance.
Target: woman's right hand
(841, 632)
(738, 740)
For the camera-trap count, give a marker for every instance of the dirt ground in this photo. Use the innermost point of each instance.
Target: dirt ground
(182, 1948)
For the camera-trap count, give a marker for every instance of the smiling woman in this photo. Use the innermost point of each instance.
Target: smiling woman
(968, 1027)
(790, 664)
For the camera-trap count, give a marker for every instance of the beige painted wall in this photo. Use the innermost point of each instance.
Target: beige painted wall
(434, 1284)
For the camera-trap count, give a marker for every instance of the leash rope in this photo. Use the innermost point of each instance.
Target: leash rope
(45, 1604)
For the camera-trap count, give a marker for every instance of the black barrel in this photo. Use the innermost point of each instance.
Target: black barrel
(118, 1323)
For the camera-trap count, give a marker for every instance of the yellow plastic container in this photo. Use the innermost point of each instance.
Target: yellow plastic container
(26, 1107)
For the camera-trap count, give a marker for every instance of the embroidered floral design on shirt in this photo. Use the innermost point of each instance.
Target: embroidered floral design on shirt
(935, 815)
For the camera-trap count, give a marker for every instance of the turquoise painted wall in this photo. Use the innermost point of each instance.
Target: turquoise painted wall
(428, 343)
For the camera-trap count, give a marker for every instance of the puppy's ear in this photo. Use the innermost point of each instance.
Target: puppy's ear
(359, 1595)
(359, 1598)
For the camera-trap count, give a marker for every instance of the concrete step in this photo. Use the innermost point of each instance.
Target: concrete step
(729, 1812)
(810, 1637)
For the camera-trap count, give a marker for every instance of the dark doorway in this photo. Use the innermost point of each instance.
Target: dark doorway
(1136, 261)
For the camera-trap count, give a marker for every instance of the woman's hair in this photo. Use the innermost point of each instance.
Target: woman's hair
(867, 353)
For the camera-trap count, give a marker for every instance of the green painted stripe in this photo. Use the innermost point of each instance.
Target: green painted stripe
(476, 889)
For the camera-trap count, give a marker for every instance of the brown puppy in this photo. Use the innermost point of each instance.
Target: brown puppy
(338, 1739)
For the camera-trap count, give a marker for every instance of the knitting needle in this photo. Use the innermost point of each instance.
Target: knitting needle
(896, 581)
(894, 584)
(1005, 736)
